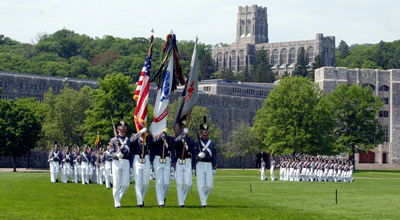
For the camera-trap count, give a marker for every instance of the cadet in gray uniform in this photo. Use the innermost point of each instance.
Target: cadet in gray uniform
(206, 162)
(122, 163)
(54, 160)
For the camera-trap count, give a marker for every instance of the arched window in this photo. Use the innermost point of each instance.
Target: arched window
(242, 27)
(283, 56)
(241, 60)
(371, 86)
(274, 59)
(226, 60)
(384, 88)
(248, 26)
(292, 55)
(220, 60)
(310, 54)
(233, 59)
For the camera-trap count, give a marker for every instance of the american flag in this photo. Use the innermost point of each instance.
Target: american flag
(141, 94)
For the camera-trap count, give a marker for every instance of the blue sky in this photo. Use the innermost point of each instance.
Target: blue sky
(214, 21)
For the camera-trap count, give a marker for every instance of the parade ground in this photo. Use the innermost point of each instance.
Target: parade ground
(237, 194)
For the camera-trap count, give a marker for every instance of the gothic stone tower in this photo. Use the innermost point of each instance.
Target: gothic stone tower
(252, 25)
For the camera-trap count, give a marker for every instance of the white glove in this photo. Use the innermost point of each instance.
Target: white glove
(144, 130)
(186, 130)
(120, 155)
(214, 172)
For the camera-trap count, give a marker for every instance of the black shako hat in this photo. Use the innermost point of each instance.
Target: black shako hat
(121, 124)
(204, 126)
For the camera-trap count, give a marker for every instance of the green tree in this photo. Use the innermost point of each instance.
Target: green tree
(64, 119)
(225, 74)
(243, 140)
(343, 49)
(20, 129)
(112, 98)
(394, 62)
(301, 65)
(294, 120)
(261, 70)
(355, 111)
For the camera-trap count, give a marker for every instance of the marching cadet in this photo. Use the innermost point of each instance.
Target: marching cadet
(92, 166)
(160, 156)
(77, 164)
(206, 161)
(122, 163)
(85, 160)
(272, 168)
(142, 143)
(108, 166)
(100, 166)
(262, 169)
(184, 146)
(66, 165)
(54, 160)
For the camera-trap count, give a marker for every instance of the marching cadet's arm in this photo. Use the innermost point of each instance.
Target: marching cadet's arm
(171, 148)
(51, 155)
(214, 157)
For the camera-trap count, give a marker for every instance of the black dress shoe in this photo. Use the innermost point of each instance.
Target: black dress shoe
(182, 206)
(118, 207)
(141, 206)
(161, 206)
(203, 206)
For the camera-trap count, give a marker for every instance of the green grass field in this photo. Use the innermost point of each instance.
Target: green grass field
(373, 195)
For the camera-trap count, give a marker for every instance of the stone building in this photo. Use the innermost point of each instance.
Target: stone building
(19, 85)
(386, 85)
(252, 36)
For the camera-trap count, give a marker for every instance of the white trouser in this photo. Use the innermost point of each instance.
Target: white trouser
(204, 179)
(183, 178)
(54, 168)
(66, 172)
(101, 174)
(262, 170)
(142, 178)
(107, 173)
(272, 173)
(120, 170)
(85, 172)
(77, 171)
(162, 172)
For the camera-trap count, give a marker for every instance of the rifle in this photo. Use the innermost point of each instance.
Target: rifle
(115, 134)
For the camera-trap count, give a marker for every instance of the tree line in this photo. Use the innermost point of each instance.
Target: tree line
(69, 54)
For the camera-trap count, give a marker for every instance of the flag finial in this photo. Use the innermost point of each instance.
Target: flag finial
(152, 31)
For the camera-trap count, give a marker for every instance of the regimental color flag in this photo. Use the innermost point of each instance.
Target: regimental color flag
(141, 94)
(161, 106)
(190, 92)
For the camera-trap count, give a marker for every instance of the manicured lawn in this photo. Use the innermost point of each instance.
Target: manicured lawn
(373, 195)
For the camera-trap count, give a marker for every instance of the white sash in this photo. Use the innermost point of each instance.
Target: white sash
(123, 143)
(205, 146)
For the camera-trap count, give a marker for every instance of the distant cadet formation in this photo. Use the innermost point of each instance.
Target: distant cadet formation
(136, 157)
(310, 169)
